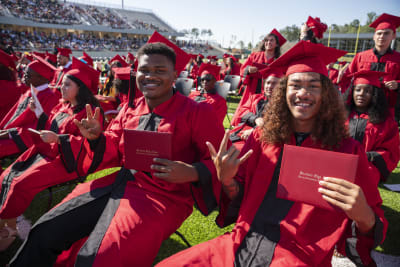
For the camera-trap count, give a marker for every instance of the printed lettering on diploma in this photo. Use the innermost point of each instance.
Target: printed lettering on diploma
(309, 176)
(146, 152)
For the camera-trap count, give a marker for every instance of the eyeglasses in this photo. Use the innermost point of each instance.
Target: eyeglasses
(208, 79)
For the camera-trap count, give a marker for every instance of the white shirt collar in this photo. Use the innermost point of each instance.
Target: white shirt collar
(67, 65)
(42, 87)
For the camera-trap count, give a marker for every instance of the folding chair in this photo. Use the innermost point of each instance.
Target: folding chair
(184, 74)
(184, 85)
(234, 80)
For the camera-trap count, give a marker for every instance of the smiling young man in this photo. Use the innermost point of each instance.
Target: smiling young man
(122, 219)
(380, 58)
(305, 111)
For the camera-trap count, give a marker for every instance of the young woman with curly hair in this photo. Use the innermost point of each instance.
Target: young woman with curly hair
(277, 232)
(370, 122)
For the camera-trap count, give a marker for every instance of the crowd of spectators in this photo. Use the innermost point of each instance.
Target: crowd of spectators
(39, 40)
(46, 11)
(54, 12)
(23, 40)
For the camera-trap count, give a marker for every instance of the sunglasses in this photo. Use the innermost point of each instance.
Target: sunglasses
(208, 79)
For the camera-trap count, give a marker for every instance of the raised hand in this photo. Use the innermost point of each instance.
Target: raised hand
(350, 198)
(90, 126)
(226, 161)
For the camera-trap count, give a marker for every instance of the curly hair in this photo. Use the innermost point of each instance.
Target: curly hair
(277, 51)
(378, 109)
(329, 127)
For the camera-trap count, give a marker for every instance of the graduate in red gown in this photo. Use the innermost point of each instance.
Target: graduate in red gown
(232, 66)
(10, 91)
(380, 58)
(63, 66)
(306, 111)
(269, 50)
(37, 74)
(125, 216)
(370, 121)
(50, 151)
(208, 94)
(251, 116)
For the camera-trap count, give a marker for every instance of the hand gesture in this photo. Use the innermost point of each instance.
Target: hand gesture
(226, 161)
(174, 171)
(253, 69)
(350, 198)
(49, 136)
(391, 85)
(90, 126)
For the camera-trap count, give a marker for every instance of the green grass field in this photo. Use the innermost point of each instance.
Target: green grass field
(198, 228)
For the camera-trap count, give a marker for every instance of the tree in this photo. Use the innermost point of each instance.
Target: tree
(250, 46)
(210, 33)
(204, 32)
(371, 17)
(195, 33)
(241, 44)
(291, 33)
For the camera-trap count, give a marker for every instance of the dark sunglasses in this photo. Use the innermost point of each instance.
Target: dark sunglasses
(208, 79)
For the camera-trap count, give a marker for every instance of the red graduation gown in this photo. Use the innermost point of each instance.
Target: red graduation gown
(390, 63)
(42, 165)
(217, 102)
(21, 116)
(252, 82)
(145, 210)
(277, 232)
(380, 141)
(10, 93)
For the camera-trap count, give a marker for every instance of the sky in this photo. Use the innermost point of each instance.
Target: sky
(251, 19)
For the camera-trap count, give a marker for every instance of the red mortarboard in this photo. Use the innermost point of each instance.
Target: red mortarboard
(308, 57)
(281, 39)
(316, 26)
(42, 55)
(119, 59)
(87, 59)
(42, 67)
(122, 73)
(386, 21)
(201, 56)
(206, 68)
(7, 60)
(209, 57)
(214, 57)
(368, 77)
(86, 74)
(64, 51)
(182, 58)
(51, 57)
(130, 56)
(272, 71)
(226, 55)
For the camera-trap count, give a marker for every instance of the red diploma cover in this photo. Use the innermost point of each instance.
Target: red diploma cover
(141, 147)
(302, 168)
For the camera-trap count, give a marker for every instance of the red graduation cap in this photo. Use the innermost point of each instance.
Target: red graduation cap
(42, 67)
(272, 71)
(130, 56)
(209, 57)
(50, 57)
(307, 57)
(64, 51)
(225, 55)
(123, 73)
(386, 21)
(215, 58)
(42, 55)
(201, 56)
(182, 58)
(207, 68)
(28, 56)
(88, 59)
(316, 26)
(7, 60)
(119, 59)
(281, 39)
(86, 74)
(368, 77)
